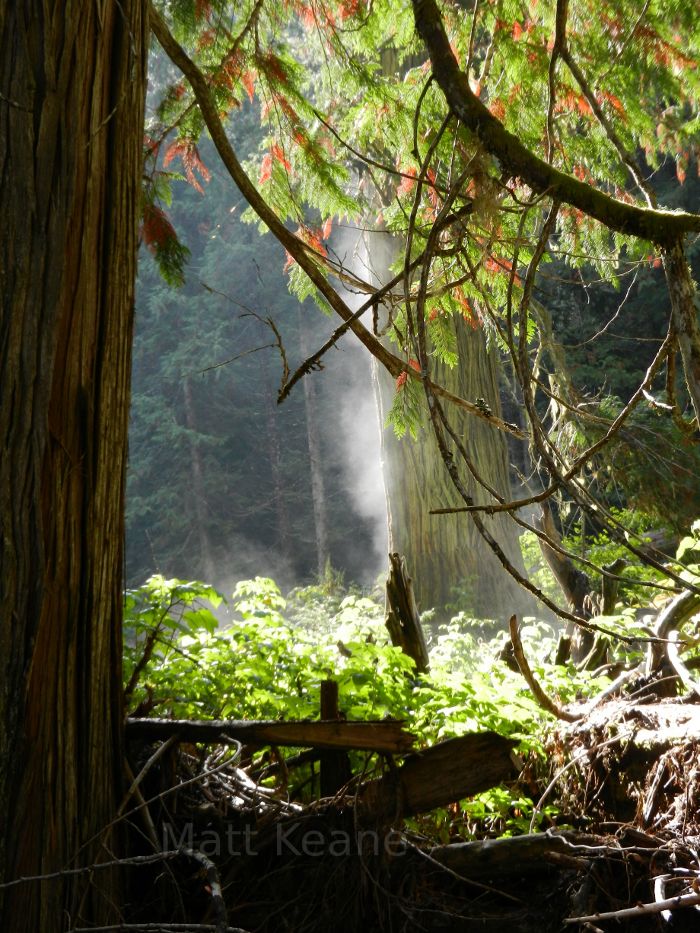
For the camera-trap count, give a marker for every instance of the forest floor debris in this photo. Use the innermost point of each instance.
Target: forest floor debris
(622, 852)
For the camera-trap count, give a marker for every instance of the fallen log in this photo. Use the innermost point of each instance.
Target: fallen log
(516, 855)
(441, 774)
(386, 736)
(651, 728)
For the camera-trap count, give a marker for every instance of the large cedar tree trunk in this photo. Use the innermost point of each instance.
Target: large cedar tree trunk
(444, 552)
(72, 82)
(446, 557)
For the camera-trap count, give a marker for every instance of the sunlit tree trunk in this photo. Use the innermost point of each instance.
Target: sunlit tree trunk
(446, 556)
(72, 81)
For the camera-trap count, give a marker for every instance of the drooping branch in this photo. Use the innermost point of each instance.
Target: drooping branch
(306, 257)
(545, 701)
(658, 226)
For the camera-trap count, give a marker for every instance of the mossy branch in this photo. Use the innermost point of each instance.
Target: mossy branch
(658, 226)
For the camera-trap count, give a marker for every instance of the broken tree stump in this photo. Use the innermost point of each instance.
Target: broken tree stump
(335, 766)
(402, 617)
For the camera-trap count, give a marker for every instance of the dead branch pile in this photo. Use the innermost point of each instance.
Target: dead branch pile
(242, 855)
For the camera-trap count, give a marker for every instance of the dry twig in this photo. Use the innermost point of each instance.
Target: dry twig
(545, 702)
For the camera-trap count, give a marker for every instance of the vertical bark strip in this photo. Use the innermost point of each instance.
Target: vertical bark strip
(684, 316)
(72, 81)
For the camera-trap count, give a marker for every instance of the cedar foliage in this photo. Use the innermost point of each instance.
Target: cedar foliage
(596, 100)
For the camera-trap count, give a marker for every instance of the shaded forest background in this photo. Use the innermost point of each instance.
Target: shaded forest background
(219, 474)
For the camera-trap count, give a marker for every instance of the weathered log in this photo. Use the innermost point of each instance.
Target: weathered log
(441, 774)
(515, 855)
(402, 616)
(386, 736)
(649, 728)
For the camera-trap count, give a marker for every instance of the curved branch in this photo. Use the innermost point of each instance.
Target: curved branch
(300, 251)
(682, 672)
(673, 616)
(658, 226)
(544, 701)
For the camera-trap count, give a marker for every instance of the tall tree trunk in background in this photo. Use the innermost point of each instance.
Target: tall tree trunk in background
(446, 551)
(318, 491)
(72, 84)
(199, 499)
(274, 455)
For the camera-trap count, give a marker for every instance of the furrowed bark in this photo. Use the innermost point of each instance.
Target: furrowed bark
(684, 317)
(72, 87)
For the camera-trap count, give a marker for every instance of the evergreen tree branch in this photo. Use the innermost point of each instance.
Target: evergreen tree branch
(306, 257)
(658, 226)
(296, 247)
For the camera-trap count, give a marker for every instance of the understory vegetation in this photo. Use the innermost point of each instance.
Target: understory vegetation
(191, 653)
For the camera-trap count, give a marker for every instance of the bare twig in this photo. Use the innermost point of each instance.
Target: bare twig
(640, 910)
(545, 702)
